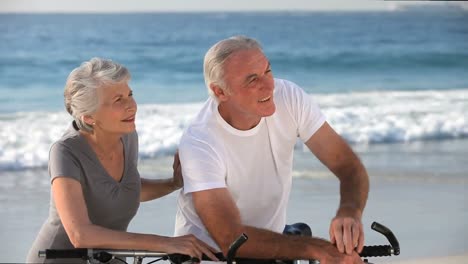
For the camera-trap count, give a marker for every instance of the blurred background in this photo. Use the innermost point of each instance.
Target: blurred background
(391, 77)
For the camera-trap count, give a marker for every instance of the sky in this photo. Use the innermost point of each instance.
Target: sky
(77, 6)
(186, 5)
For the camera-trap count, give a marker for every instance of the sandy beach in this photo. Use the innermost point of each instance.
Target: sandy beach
(427, 212)
(460, 259)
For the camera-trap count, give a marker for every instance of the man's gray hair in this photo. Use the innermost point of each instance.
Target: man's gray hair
(81, 88)
(216, 56)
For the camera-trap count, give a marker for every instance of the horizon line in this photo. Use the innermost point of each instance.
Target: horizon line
(196, 11)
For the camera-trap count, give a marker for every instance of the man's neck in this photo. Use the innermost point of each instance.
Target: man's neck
(238, 121)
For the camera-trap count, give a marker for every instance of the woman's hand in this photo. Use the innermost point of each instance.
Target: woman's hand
(189, 245)
(177, 180)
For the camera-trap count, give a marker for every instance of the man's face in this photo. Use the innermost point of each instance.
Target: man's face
(247, 73)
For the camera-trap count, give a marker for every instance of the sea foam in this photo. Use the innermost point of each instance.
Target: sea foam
(361, 118)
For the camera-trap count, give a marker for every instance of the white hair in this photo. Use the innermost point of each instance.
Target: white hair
(216, 56)
(81, 88)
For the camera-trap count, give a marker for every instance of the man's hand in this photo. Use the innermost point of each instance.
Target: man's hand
(346, 230)
(339, 258)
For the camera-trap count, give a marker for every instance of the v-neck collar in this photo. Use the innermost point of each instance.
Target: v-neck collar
(95, 158)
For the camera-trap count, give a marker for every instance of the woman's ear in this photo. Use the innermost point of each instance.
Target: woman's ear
(88, 119)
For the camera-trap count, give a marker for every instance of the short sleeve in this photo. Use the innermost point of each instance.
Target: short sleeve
(305, 111)
(62, 163)
(202, 168)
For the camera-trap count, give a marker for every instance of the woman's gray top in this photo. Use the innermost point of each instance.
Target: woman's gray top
(110, 204)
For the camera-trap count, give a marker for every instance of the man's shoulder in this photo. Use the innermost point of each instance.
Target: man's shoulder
(283, 83)
(199, 131)
(285, 87)
(202, 128)
(287, 94)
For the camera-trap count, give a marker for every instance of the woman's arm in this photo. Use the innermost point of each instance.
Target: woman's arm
(71, 207)
(155, 188)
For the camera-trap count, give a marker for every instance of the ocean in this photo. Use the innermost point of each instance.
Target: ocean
(393, 84)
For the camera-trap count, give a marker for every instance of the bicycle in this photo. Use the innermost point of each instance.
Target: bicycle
(95, 256)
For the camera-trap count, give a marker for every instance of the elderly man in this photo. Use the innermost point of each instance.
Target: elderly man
(237, 162)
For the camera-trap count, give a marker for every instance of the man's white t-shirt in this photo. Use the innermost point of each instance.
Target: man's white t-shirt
(254, 165)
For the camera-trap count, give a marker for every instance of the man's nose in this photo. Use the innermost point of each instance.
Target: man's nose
(267, 83)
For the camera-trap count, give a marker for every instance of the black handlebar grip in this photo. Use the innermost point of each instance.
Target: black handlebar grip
(81, 253)
(179, 258)
(389, 235)
(376, 251)
(102, 256)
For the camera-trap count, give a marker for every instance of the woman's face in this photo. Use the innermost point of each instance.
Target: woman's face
(116, 110)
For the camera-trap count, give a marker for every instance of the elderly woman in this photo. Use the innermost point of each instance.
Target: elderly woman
(95, 185)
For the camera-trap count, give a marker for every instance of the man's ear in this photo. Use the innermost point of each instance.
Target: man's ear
(219, 92)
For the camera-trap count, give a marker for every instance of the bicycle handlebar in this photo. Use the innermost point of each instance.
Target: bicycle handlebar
(377, 251)
(105, 255)
(382, 250)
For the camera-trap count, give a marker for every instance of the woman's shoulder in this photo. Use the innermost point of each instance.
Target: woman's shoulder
(70, 140)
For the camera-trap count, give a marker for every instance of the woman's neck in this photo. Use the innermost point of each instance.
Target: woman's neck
(104, 144)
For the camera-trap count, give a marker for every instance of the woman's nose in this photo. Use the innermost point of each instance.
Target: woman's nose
(131, 105)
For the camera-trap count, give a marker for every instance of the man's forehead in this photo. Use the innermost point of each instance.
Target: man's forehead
(245, 58)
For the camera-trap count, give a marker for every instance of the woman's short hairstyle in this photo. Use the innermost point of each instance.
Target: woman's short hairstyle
(216, 56)
(81, 88)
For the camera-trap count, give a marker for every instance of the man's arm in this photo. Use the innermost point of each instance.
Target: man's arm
(221, 217)
(346, 228)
